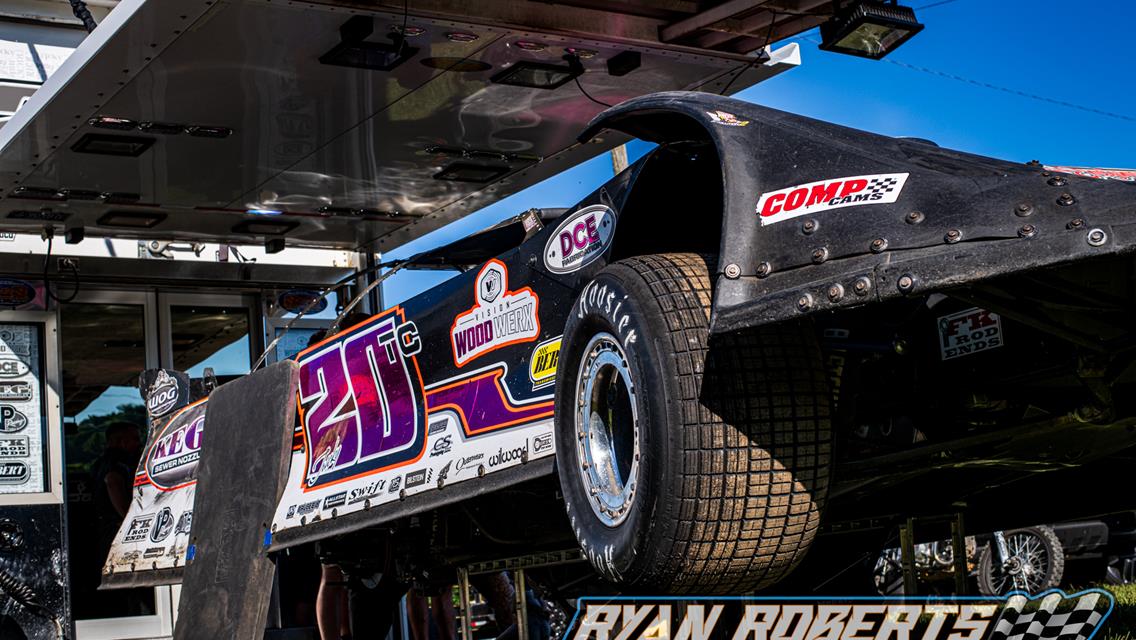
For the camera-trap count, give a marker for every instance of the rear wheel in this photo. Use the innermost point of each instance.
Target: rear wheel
(687, 465)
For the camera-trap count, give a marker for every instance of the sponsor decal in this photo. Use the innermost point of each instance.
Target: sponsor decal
(542, 443)
(1125, 175)
(307, 508)
(441, 446)
(359, 494)
(15, 391)
(163, 525)
(139, 528)
(185, 523)
(818, 197)
(12, 420)
(438, 426)
(505, 456)
(445, 472)
(470, 462)
(395, 484)
(416, 478)
(171, 461)
(543, 361)
(969, 332)
(14, 293)
(726, 119)
(1052, 614)
(362, 403)
(153, 552)
(580, 239)
(498, 317)
(163, 395)
(335, 500)
(15, 447)
(13, 368)
(297, 301)
(291, 512)
(14, 472)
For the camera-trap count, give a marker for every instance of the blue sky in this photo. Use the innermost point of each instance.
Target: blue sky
(1078, 53)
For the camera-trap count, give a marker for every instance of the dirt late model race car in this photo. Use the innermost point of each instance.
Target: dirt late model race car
(766, 325)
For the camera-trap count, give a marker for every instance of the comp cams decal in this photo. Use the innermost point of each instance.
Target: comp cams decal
(969, 332)
(579, 239)
(498, 317)
(818, 197)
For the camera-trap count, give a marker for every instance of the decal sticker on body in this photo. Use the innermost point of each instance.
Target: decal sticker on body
(579, 239)
(968, 332)
(818, 197)
(498, 317)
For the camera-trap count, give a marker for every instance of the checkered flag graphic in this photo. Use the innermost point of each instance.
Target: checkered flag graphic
(1055, 617)
(882, 185)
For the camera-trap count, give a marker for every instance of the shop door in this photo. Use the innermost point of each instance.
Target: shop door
(108, 338)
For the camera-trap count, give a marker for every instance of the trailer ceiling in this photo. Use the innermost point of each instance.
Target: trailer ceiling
(343, 157)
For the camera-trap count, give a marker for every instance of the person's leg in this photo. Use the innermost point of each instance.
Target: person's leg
(498, 594)
(444, 615)
(328, 602)
(418, 614)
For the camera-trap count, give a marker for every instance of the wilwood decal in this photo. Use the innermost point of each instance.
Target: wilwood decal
(498, 317)
(818, 197)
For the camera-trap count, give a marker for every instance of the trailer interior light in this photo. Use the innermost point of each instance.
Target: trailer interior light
(163, 128)
(264, 227)
(111, 122)
(354, 51)
(121, 197)
(471, 172)
(537, 75)
(131, 219)
(461, 36)
(45, 215)
(82, 194)
(869, 29)
(39, 193)
(409, 30)
(582, 54)
(112, 145)
(529, 45)
(202, 131)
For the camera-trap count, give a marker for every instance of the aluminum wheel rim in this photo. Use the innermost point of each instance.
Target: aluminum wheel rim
(607, 429)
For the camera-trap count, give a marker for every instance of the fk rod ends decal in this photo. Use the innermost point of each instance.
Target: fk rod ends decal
(818, 197)
(498, 317)
(579, 239)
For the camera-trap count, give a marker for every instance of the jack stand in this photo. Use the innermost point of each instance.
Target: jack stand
(463, 595)
(958, 553)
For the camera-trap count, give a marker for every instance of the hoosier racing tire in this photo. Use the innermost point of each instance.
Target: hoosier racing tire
(687, 465)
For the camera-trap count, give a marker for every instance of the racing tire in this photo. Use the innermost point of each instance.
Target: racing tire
(687, 465)
(1038, 555)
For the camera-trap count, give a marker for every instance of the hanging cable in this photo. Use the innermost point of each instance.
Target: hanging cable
(49, 235)
(757, 58)
(79, 8)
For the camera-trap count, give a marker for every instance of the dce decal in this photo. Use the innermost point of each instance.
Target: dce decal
(362, 400)
(498, 317)
(580, 239)
(12, 368)
(817, 197)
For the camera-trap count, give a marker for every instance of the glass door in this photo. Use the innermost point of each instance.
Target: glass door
(214, 331)
(107, 339)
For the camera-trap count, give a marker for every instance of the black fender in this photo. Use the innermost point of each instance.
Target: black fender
(957, 218)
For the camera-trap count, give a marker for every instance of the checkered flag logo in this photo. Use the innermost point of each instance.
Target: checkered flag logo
(882, 185)
(1055, 616)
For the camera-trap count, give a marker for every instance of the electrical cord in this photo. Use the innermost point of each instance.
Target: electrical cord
(588, 95)
(577, 68)
(79, 8)
(49, 235)
(757, 58)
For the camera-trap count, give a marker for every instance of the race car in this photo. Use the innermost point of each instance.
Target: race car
(766, 325)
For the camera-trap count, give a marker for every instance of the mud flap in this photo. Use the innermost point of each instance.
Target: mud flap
(241, 473)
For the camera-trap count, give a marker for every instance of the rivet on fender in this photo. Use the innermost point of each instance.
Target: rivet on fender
(733, 271)
(820, 255)
(835, 292)
(1096, 237)
(764, 269)
(878, 245)
(906, 283)
(952, 236)
(862, 286)
(805, 302)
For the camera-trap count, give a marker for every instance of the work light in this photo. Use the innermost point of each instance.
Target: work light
(869, 29)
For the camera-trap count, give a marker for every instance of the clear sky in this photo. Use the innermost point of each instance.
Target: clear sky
(1014, 79)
